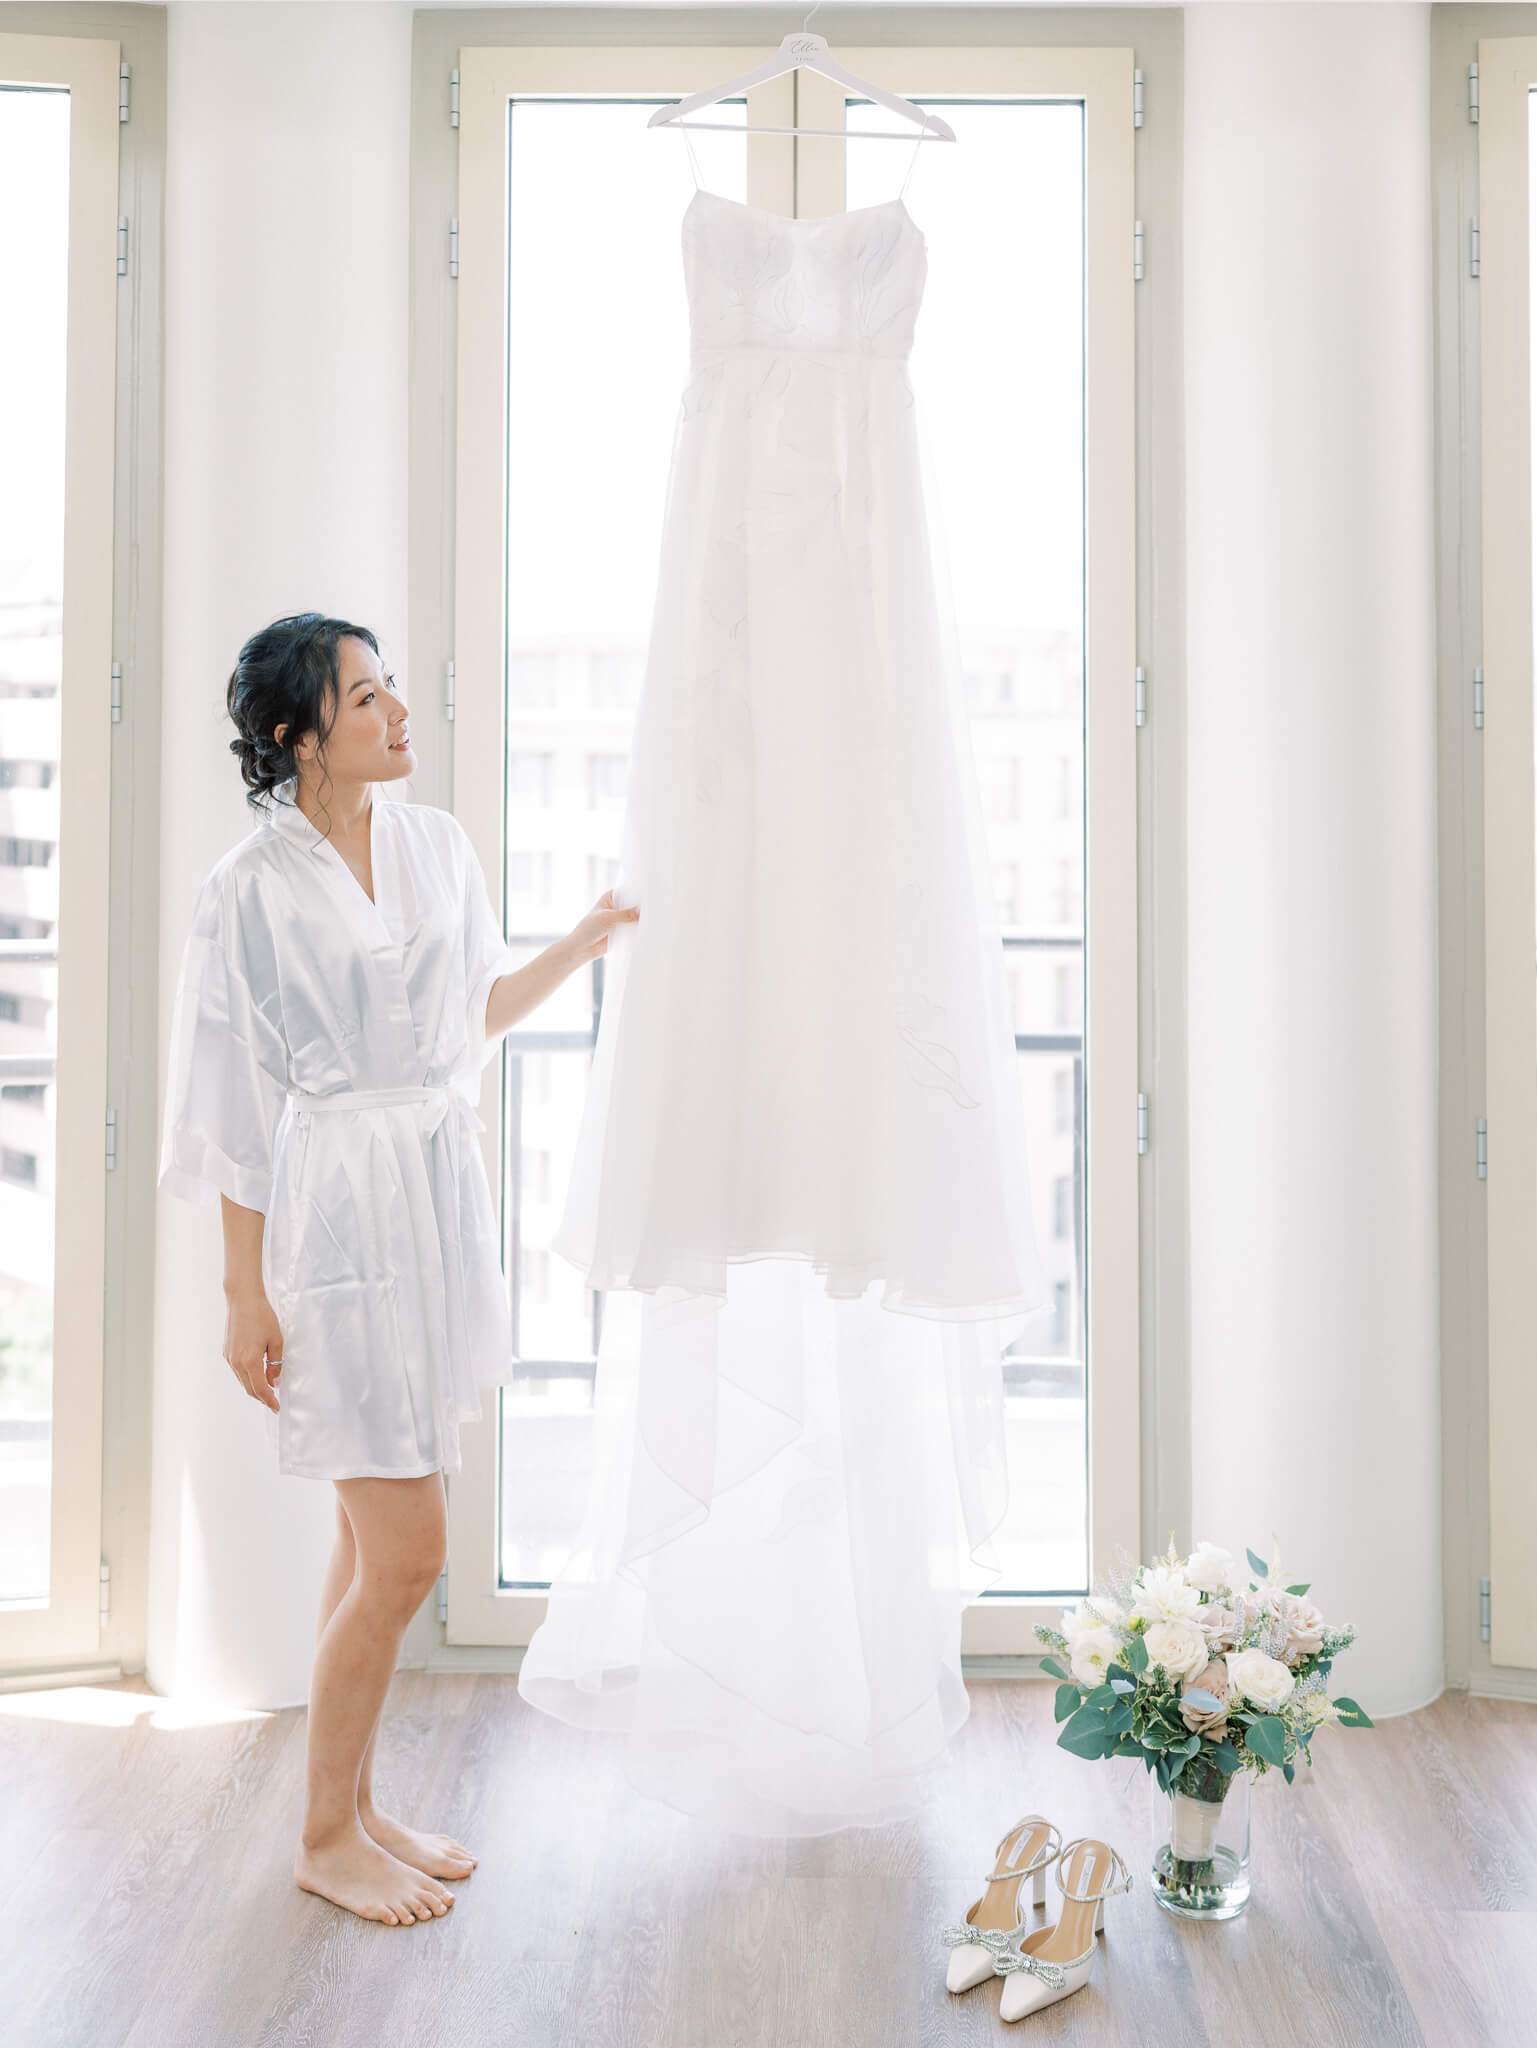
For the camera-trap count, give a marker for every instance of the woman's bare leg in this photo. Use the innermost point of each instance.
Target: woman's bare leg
(399, 1529)
(438, 1855)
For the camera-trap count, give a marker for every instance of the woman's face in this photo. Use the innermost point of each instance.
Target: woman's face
(370, 740)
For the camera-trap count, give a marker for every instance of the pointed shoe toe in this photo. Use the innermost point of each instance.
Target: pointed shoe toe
(968, 1965)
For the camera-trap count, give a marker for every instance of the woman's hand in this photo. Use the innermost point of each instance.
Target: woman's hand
(590, 938)
(253, 1346)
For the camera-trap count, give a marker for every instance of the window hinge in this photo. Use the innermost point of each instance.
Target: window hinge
(1141, 696)
(1481, 1149)
(124, 84)
(117, 692)
(443, 1594)
(1472, 92)
(1136, 99)
(453, 99)
(1483, 1610)
(122, 245)
(111, 1139)
(1141, 1122)
(1473, 246)
(1136, 249)
(1478, 698)
(448, 691)
(453, 248)
(106, 1592)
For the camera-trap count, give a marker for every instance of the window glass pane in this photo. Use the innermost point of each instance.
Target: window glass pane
(34, 253)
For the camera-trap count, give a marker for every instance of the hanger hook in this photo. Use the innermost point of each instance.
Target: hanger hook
(807, 22)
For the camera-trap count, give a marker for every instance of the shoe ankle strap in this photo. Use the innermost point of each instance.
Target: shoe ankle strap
(1121, 1877)
(1048, 1852)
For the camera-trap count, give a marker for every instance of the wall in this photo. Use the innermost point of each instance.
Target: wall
(285, 461)
(1312, 818)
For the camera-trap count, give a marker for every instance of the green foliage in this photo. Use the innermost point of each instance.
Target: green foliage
(1085, 1734)
(1267, 1738)
(1352, 1716)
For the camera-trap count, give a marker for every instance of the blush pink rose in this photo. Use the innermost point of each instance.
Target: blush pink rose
(1201, 1720)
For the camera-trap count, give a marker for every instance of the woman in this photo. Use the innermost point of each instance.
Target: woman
(344, 983)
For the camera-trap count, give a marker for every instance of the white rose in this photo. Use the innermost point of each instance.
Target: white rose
(1209, 1569)
(1179, 1646)
(1165, 1594)
(1092, 1649)
(1264, 1681)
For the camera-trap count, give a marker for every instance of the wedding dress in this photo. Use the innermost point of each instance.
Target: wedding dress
(800, 1177)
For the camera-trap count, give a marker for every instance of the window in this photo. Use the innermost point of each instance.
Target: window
(529, 876)
(529, 777)
(606, 780)
(1025, 536)
(58, 208)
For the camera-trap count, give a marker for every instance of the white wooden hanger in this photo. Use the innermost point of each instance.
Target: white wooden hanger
(802, 51)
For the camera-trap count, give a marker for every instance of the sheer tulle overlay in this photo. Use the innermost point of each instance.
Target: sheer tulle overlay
(800, 1176)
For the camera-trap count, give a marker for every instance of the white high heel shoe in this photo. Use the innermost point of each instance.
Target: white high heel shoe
(994, 1920)
(1050, 1964)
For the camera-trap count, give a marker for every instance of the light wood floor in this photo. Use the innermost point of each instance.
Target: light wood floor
(150, 1904)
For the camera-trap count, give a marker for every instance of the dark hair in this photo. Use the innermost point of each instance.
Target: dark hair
(287, 673)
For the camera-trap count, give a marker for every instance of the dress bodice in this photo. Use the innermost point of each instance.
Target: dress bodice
(848, 283)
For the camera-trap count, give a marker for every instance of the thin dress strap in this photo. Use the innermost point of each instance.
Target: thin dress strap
(693, 160)
(913, 164)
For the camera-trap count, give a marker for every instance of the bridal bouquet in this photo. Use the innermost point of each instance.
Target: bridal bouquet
(1197, 1675)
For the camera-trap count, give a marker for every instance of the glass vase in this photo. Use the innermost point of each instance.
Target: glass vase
(1201, 1864)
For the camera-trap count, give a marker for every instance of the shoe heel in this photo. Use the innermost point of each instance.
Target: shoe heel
(1099, 1919)
(1038, 1886)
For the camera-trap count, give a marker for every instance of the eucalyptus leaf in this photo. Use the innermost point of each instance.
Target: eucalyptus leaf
(1119, 1719)
(1300, 1590)
(1101, 1697)
(1257, 1565)
(1136, 1654)
(1052, 1668)
(1225, 1756)
(1288, 1772)
(1084, 1735)
(1067, 1701)
(1352, 1716)
(1206, 1702)
(1122, 1686)
(1267, 1738)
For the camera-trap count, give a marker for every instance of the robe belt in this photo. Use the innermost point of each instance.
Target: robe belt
(441, 1095)
(440, 1098)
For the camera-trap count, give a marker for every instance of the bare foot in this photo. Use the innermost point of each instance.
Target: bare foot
(437, 1855)
(354, 1871)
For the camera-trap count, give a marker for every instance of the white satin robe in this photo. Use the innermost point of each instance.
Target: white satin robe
(325, 1062)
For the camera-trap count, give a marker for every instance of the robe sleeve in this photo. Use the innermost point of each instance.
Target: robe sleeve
(227, 1069)
(487, 954)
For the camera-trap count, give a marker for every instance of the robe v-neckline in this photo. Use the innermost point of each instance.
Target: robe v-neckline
(372, 916)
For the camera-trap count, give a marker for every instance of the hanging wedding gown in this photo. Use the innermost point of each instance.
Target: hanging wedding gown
(800, 1178)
